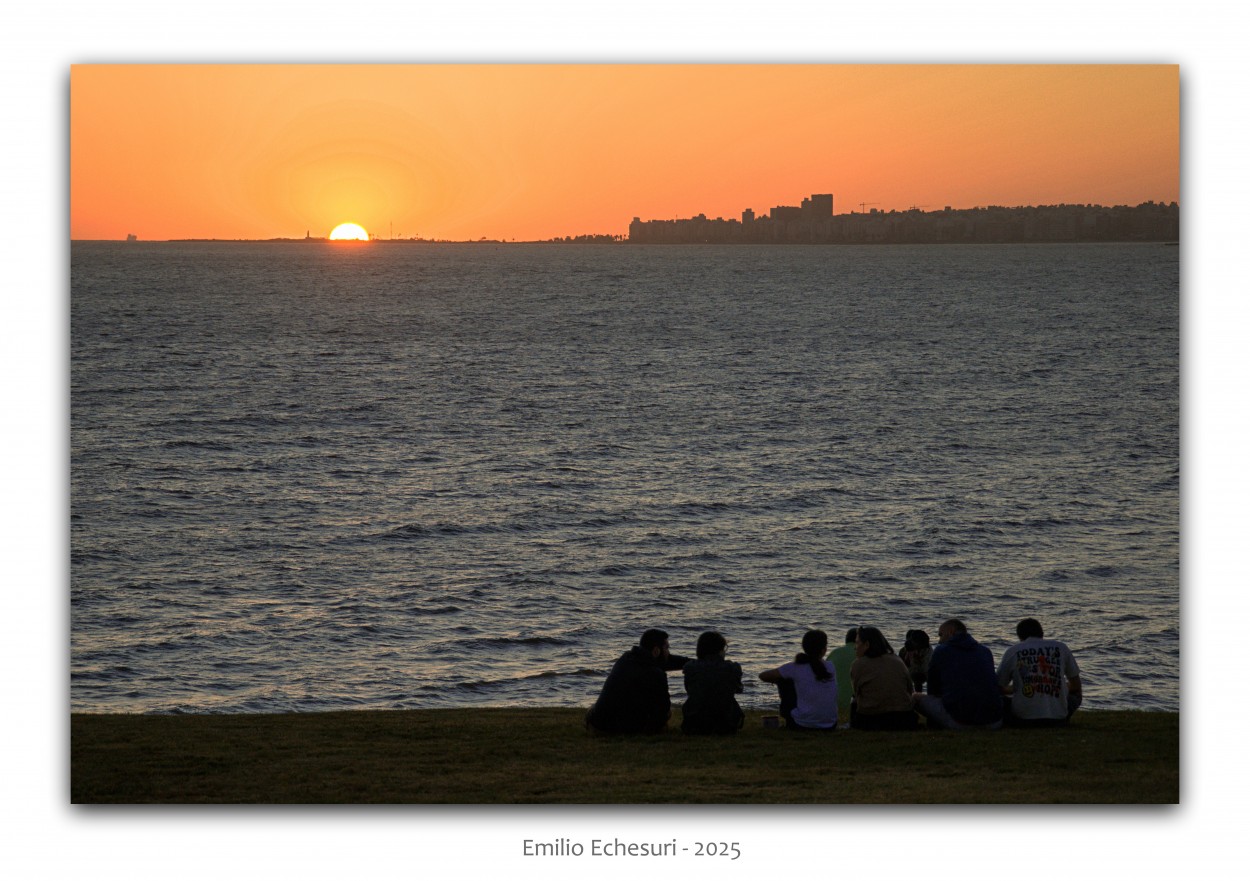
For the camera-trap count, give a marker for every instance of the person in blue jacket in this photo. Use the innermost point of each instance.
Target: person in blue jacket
(963, 684)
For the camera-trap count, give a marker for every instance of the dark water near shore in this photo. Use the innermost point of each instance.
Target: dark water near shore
(311, 477)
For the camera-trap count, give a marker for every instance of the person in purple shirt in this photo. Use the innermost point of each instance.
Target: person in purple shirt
(808, 687)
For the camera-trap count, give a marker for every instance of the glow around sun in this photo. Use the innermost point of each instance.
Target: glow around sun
(349, 232)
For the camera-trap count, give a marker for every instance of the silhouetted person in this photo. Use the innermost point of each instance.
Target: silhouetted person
(963, 686)
(808, 687)
(882, 686)
(634, 699)
(842, 658)
(1041, 678)
(711, 683)
(916, 654)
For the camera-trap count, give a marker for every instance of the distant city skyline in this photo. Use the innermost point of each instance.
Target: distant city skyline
(534, 152)
(813, 221)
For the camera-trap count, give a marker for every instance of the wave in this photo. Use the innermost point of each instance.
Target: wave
(511, 682)
(417, 530)
(219, 446)
(441, 610)
(507, 641)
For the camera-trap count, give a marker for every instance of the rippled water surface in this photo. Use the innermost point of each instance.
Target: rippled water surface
(309, 476)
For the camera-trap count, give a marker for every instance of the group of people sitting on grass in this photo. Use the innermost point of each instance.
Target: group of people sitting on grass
(953, 685)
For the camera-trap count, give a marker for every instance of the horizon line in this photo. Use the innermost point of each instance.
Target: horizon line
(625, 236)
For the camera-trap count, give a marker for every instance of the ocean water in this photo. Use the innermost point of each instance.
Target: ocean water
(313, 476)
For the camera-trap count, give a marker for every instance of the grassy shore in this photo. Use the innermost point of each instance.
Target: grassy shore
(481, 756)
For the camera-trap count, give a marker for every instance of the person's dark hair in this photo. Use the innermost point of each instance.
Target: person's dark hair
(815, 642)
(877, 643)
(709, 645)
(852, 635)
(1029, 627)
(916, 639)
(955, 624)
(652, 639)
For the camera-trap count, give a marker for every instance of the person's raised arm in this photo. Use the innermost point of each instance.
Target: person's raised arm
(676, 662)
(773, 675)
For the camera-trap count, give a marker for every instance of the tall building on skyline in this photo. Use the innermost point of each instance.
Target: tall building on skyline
(820, 205)
(813, 222)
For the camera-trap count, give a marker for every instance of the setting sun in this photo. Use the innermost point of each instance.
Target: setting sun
(349, 232)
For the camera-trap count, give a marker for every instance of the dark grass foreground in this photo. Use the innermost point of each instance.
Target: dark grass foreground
(479, 756)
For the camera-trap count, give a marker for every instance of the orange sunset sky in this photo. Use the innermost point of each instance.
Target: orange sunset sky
(538, 151)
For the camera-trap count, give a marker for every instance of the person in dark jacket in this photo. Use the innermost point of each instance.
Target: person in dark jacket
(963, 685)
(635, 697)
(711, 683)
